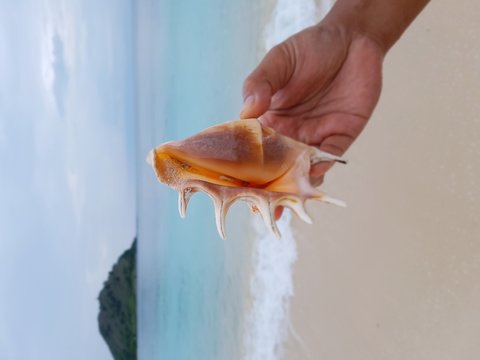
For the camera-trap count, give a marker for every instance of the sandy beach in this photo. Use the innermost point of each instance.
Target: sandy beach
(395, 274)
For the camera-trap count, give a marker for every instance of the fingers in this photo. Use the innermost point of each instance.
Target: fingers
(258, 102)
(337, 144)
(278, 212)
(272, 74)
(334, 144)
(318, 171)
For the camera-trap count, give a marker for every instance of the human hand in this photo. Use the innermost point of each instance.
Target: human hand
(319, 87)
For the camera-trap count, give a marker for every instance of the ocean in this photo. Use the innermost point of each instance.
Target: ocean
(192, 59)
(200, 297)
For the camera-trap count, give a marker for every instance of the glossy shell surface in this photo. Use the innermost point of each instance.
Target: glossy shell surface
(241, 160)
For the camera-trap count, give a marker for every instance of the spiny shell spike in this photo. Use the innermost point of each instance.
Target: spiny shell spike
(298, 207)
(221, 209)
(184, 196)
(267, 212)
(320, 156)
(331, 200)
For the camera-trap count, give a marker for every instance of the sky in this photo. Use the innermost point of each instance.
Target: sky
(67, 195)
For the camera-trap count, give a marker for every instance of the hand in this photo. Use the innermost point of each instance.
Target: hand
(320, 87)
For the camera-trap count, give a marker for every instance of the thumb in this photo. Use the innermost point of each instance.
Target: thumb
(271, 75)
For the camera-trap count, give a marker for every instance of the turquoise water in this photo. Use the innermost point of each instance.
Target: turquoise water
(200, 297)
(192, 286)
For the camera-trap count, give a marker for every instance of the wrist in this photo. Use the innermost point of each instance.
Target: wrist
(382, 21)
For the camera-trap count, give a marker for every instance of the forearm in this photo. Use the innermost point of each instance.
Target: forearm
(382, 20)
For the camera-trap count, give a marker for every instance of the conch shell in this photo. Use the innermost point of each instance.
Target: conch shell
(241, 160)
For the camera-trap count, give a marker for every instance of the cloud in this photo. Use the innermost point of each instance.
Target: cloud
(60, 83)
(47, 59)
(68, 197)
(54, 66)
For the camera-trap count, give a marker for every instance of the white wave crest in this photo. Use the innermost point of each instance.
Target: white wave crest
(274, 259)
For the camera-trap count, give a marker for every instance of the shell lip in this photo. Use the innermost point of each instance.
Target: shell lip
(150, 159)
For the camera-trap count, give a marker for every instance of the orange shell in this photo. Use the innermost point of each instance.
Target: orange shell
(241, 160)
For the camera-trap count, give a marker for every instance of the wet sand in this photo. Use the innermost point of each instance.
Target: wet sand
(396, 274)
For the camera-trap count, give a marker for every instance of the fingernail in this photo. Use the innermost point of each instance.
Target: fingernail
(247, 105)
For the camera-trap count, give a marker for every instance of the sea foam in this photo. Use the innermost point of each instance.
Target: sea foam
(274, 259)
